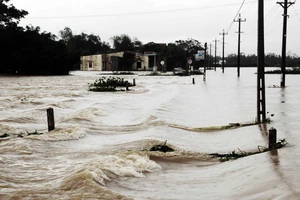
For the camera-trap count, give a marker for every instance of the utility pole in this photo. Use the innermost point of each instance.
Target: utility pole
(261, 99)
(215, 53)
(239, 44)
(223, 61)
(205, 60)
(285, 6)
(210, 55)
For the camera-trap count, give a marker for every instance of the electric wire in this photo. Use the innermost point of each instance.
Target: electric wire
(235, 16)
(270, 11)
(269, 24)
(272, 30)
(272, 15)
(139, 13)
(220, 40)
(296, 13)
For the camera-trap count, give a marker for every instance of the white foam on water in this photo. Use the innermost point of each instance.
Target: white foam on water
(109, 167)
(60, 134)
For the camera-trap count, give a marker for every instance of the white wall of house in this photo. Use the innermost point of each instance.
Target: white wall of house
(141, 65)
(91, 63)
(117, 54)
(95, 62)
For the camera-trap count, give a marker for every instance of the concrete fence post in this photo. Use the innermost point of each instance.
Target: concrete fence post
(127, 86)
(50, 118)
(272, 138)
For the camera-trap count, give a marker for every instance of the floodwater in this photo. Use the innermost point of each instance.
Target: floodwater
(99, 149)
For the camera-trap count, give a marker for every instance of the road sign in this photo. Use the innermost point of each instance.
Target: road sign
(162, 62)
(190, 61)
(200, 55)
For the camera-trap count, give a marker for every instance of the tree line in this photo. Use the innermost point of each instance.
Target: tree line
(29, 51)
(271, 60)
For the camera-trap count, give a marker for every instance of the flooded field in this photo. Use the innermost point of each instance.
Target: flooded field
(100, 147)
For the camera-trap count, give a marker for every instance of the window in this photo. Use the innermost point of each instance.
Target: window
(139, 65)
(90, 64)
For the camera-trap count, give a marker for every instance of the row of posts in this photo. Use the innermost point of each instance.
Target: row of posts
(272, 131)
(51, 122)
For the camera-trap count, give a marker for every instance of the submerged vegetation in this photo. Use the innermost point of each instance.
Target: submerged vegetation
(176, 73)
(188, 73)
(239, 154)
(223, 127)
(123, 73)
(162, 148)
(21, 135)
(110, 84)
(295, 70)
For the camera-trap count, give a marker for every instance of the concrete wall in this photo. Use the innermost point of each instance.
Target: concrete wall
(91, 63)
(104, 62)
(144, 63)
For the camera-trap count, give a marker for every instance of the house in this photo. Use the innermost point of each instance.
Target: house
(119, 61)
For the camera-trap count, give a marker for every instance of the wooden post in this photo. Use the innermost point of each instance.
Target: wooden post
(127, 86)
(133, 82)
(193, 81)
(50, 118)
(272, 138)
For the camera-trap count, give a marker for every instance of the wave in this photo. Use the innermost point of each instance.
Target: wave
(14, 147)
(88, 114)
(6, 129)
(108, 167)
(60, 134)
(20, 119)
(142, 147)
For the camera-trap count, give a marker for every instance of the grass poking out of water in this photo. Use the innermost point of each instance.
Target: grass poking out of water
(239, 154)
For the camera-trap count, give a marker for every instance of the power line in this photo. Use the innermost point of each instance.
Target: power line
(273, 29)
(276, 16)
(296, 14)
(271, 11)
(236, 15)
(272, 15)
(140, 13)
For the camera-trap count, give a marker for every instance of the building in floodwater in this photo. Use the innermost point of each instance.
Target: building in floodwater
(119, 61)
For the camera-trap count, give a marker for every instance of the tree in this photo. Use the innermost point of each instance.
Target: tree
(190, 46)
(33, 52)
(9, 15)
(82, 45)
(128, 59)
(66, 34)
(123, 43)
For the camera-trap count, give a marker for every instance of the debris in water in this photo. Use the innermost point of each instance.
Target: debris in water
(162, 148)
(5, 135)
(235, 155)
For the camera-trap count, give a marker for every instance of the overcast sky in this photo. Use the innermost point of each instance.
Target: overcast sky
(164, 21)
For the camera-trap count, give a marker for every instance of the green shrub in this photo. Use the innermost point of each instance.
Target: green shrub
(109, 84)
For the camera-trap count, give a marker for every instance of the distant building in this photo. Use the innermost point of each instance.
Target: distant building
(113, 62)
